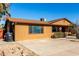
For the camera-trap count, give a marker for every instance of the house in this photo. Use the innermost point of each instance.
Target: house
(35, 29)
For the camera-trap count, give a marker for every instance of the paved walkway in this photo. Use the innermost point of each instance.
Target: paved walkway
(53, 47)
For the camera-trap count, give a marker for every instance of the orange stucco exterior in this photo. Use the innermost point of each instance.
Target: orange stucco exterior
(22, 33)
(21, 28)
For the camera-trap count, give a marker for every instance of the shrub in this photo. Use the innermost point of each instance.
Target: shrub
(59, 34)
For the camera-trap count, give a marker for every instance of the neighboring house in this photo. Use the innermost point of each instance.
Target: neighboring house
(1, 34)
(35, 29)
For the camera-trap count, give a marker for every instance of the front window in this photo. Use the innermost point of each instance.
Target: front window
(55, 29)
(35, 29)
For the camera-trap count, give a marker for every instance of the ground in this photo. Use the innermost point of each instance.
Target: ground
(14, 49)
(41, 47)
(53, 47)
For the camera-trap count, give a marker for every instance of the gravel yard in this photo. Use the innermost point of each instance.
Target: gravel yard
(14, 49)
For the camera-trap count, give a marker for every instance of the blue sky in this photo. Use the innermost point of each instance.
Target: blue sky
(50, 11)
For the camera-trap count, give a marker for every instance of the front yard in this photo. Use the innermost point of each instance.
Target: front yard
(41, 47)
(53, 47)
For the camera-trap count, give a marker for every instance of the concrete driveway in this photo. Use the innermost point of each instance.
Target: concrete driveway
(53, 47)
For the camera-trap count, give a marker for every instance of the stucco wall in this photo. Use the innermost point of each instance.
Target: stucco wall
(22, 33)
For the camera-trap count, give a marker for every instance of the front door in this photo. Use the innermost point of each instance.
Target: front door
(63, 29)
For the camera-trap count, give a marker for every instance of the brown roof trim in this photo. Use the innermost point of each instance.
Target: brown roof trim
(26, 21)
(35, 22)
(59, 20)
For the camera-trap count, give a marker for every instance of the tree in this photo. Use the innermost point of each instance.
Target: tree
(1, 10)
(4, 11)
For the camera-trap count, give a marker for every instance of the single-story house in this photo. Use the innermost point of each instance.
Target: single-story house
(35, 29)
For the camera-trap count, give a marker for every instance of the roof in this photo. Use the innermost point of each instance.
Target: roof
(26, 21)
(59, 20)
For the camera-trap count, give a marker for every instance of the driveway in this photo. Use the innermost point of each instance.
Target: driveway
(53, 47)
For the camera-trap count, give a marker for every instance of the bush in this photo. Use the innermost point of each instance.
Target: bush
(59, 35)
(77, 35)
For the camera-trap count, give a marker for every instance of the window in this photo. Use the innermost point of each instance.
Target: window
(35, 29)
(55, 29)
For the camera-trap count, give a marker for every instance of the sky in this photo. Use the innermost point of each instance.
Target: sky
(49, 11)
